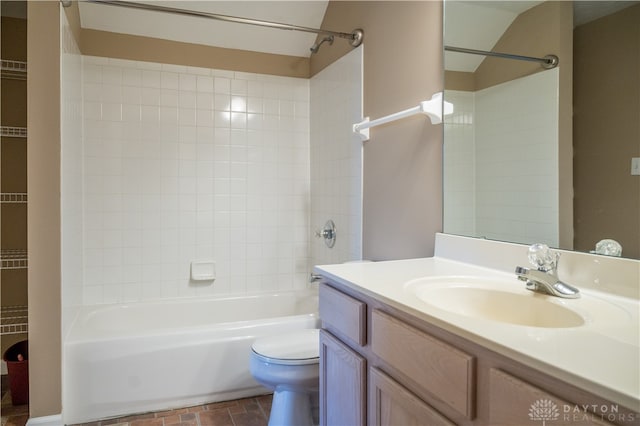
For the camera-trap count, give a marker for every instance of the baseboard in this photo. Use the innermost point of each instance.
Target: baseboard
(46, 421)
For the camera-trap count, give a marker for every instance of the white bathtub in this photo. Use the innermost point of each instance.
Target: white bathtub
(133, 358)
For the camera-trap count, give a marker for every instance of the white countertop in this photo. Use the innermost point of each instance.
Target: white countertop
(602, 356)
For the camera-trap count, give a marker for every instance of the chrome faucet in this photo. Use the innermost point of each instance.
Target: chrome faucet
(545, 279)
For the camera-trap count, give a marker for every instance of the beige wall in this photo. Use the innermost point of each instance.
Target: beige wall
(138, 48)
(537, 32)
(459, 80)
(607, 131)
(43, 173)
(124, 46)
(402, 208)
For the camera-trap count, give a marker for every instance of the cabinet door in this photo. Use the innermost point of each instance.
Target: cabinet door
(391, 404)
(513, 401)
(342, 383)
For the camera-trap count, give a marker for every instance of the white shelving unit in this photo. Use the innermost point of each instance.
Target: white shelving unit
(14, 70)
(14, 259)
(13, 198)
(13, 132)
(14, 318)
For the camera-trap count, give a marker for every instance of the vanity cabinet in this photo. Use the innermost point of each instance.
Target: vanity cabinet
(513, 401)
(436, 369)
(342, 383)
(380, 365)
(390, 403)
(343, 370)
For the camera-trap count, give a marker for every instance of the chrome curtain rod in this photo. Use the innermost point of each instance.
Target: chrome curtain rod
(548, 62)
(354, 37)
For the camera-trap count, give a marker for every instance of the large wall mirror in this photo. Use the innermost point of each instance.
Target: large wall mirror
(537, 153)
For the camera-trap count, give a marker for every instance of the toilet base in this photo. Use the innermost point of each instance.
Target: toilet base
(291, 408)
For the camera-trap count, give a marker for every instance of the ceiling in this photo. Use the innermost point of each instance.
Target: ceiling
(587, 11)
(472, 24)
(210, 32)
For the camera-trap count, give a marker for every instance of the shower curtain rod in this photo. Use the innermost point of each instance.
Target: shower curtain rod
(354, 37)
(548, 62)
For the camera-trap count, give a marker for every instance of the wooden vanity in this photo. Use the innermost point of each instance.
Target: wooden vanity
(383, 365)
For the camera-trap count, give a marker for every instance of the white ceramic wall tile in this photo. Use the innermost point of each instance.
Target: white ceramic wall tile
(527, 182)
(459, 165)
(175, 169)
(336, 154)
(500, 181)
(71, 165)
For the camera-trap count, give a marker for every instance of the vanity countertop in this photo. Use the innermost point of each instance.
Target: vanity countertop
(602, 356)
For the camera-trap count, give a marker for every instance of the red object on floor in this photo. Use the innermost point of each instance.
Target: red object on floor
(18, 372)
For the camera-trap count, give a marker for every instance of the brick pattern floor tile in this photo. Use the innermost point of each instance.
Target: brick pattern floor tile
(241, 412)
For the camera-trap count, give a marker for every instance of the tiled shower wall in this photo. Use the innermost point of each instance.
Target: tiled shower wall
(515, 155)
(336, 158)
(459, 165)
(71, 179)
(185, 163)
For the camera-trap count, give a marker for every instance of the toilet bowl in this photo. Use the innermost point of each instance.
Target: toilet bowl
(288, 365)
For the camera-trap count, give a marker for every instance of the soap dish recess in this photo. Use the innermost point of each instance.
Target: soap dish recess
(203, 270)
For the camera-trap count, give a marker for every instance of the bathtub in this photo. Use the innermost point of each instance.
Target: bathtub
(134, 358)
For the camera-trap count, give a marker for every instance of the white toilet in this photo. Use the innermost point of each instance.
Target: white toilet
(288, 364)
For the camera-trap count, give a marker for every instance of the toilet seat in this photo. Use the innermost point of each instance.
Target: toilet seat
(296, 348)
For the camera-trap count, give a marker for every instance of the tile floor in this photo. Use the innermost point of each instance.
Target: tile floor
(242, 412)
(12, 415)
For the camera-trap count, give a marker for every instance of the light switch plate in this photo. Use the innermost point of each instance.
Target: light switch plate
(635, 166)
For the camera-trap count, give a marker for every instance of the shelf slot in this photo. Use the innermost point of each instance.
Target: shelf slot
(14, 259)
(14, 320)
(14, 70)
(13, 132)
(13, 198)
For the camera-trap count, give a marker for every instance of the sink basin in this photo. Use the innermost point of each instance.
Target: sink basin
(505, 303)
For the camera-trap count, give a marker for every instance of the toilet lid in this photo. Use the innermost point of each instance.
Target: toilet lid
(299, 347)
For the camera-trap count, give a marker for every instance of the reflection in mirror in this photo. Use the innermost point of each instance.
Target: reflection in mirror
(537, 155)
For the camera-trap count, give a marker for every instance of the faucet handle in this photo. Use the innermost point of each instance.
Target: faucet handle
(543, 258)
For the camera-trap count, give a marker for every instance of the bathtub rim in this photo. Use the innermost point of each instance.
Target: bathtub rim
(77, 330)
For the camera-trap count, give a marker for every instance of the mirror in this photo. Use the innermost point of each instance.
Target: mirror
(543, 155)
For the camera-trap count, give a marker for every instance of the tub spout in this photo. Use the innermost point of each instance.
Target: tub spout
(314, 277)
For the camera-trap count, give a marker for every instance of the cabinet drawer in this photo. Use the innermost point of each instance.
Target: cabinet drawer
(441, 370)
(513, 401)
(392, 404)
(343, 315)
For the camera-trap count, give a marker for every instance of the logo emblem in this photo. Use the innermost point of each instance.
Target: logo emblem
(543, 410)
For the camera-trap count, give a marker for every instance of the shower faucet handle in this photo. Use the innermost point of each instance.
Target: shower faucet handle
(328, 232)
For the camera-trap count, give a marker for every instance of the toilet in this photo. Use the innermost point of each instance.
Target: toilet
(288, 364)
